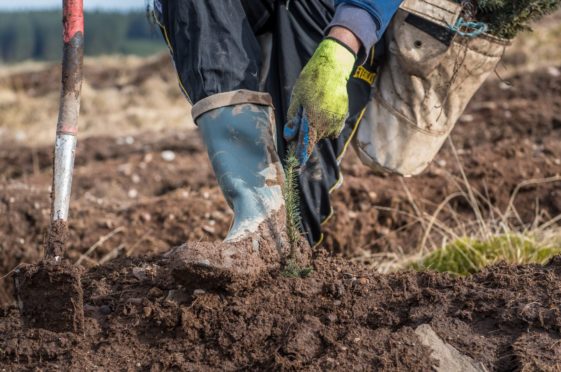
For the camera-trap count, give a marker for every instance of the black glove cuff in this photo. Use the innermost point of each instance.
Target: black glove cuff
(342, 44)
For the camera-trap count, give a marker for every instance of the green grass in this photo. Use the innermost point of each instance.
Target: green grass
(467, 255)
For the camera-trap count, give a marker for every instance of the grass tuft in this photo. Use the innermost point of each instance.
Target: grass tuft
(468, 255)
(465, 243)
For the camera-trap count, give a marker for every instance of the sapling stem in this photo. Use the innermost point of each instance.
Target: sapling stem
(292, 200)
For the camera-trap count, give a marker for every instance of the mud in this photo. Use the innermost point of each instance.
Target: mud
(237, 264)
(135, 198)
(56, 239)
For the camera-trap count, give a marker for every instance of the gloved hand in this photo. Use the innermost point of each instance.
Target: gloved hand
(319, 103)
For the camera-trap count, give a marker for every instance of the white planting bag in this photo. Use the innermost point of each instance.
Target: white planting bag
(429, 75)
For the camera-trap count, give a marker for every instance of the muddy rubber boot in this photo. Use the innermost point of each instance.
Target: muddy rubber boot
(241, 146)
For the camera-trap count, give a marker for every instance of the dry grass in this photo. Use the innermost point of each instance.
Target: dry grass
(120, 96)
(534, 50)
(494, 236)
(128, 95)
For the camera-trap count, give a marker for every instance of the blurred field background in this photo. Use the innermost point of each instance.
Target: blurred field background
(129, 82)
(35, 35)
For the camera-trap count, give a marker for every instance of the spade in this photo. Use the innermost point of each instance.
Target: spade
(49, 294)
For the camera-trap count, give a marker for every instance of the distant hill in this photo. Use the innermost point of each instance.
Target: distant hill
(37, 35)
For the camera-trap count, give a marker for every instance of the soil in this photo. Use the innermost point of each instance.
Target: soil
(136, 197)
(50, 296)
(56, 239)
(341, 317)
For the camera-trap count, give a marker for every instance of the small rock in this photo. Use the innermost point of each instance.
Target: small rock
(20, 136)
(139, 273)
(553, 71)
(125, 168)
(148, 158)
(449, 358)
(168, 155)
(133, 193)
(198, 292)
(177, 296)
(467, 118)
(147, 311)
(504, 86)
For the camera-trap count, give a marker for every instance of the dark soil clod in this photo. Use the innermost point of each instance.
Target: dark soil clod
(56, 239)
(50, 296)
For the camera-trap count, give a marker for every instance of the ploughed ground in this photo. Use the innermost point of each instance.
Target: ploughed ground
(136, 197)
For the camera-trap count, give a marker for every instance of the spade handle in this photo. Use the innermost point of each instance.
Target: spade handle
(69, 108)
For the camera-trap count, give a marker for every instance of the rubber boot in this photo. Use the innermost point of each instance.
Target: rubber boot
(241, 146)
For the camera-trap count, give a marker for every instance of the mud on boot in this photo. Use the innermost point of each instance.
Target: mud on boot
(237, 128)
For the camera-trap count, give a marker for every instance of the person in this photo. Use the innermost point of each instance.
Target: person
(262, 76)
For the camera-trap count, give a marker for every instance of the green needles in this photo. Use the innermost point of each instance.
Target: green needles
(292, 199)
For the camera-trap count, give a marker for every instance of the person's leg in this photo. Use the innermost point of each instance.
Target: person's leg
(217, 56)
(213, 45)
(298, 28)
